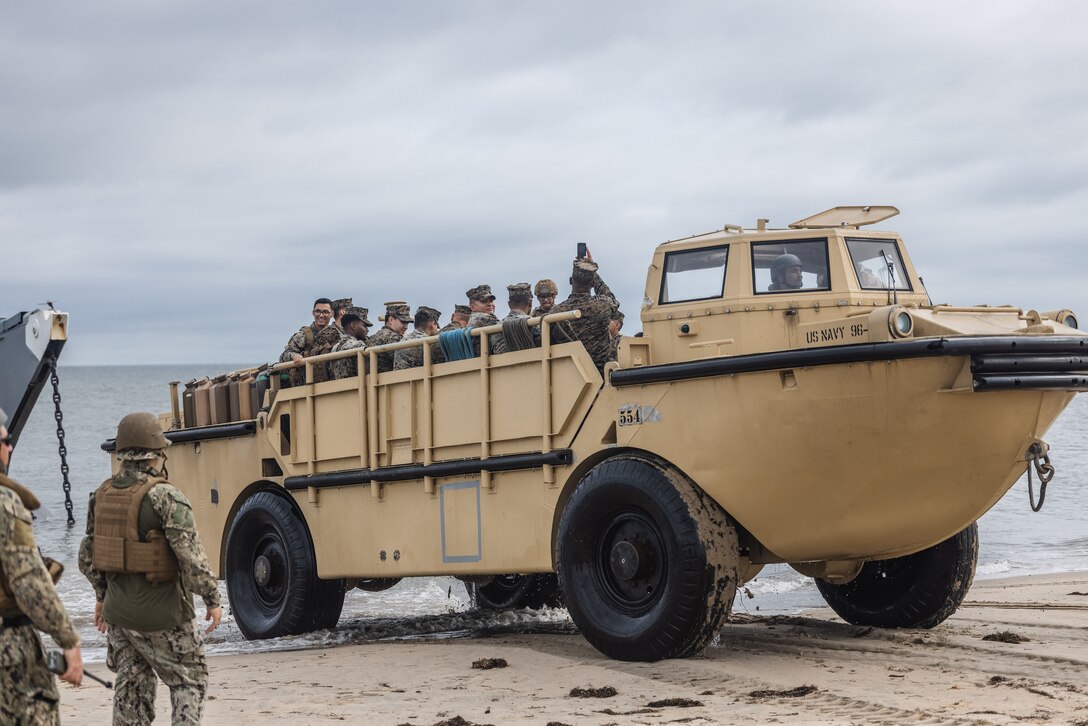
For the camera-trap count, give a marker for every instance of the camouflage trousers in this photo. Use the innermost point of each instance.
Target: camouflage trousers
(28, 692)
(175, 655)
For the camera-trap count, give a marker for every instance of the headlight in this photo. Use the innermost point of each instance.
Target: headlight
(901, 323)
(1063, 317)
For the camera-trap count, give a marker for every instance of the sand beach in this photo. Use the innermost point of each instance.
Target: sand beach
(811, 669)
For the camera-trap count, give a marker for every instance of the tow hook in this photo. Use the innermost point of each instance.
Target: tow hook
(1038, 454)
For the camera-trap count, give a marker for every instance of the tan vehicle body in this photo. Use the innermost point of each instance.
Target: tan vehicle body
(824, 463)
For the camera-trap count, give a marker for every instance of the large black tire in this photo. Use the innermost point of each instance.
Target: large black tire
(648, 563)
(272, 581)
(915, 591)
(510, 592)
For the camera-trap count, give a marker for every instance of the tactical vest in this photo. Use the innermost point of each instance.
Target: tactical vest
(9, 608)
(117, 544)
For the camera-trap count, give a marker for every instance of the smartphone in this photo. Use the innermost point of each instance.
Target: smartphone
(581, 250)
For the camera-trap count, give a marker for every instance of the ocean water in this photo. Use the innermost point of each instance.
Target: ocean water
(1013, 539)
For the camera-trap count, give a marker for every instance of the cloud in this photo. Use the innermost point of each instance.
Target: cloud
(185, 179)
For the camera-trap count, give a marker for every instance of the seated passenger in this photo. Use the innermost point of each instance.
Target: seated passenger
(482, 304)
(786, 273)
(517, 335)
(311, 340)
(426, 325)
(396, 322)
(355, 329)
(614, 334)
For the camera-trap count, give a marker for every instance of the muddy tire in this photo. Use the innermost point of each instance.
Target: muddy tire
(915, 591)
(272, 581)
(648, 563)
(511, 592)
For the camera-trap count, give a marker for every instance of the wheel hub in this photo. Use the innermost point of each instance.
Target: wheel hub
(625, 560)
(262, 571)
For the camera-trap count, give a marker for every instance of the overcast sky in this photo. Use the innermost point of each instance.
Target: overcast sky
(185, 178)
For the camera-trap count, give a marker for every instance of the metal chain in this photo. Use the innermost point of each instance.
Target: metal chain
(61, 448)
(1041, 463)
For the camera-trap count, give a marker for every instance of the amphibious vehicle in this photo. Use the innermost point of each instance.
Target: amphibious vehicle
(793, 397)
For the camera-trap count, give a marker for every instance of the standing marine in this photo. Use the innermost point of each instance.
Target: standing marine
(592, 296)
(28, 603)
(397, 317)
(145, 562)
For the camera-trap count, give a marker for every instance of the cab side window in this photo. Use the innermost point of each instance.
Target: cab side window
(694, 275)
(794, 266)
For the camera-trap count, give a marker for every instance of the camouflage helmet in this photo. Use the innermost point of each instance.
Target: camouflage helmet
(546, 287)
(139, 436)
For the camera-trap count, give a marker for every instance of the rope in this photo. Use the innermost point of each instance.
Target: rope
(517, 334)
(457, 344)
(61, 448)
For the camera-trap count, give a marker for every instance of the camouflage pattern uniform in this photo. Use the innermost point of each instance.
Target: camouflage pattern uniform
(453, 324)
(28, 692)
(413, 357)
(617, 314)
(175, 653)
(385, 336)
(310, 341)
(519, 292)
(592, 327)
(348, 367)
(544, 287)
(482, 293)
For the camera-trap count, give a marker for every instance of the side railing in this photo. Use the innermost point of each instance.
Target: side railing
(479, 408)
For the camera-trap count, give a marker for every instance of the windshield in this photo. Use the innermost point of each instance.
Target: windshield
(694, 275)
(796, 266)
(877, 264)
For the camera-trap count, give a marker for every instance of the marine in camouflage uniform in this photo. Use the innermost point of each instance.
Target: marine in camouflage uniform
(315, 339)
(152, 628)
(459, 319)
(597, 308)
(340, 307)
(426, 325)
(481, 303)
(614, 326)
(396, 315)
(28, 603)
(520, 300)
(545, 290)
(356, 324)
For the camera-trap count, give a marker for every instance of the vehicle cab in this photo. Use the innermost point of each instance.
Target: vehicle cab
(740, 291)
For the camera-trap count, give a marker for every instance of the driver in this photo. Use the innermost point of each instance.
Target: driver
(786, 273)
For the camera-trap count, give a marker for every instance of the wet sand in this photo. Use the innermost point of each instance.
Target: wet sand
(811, 669)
